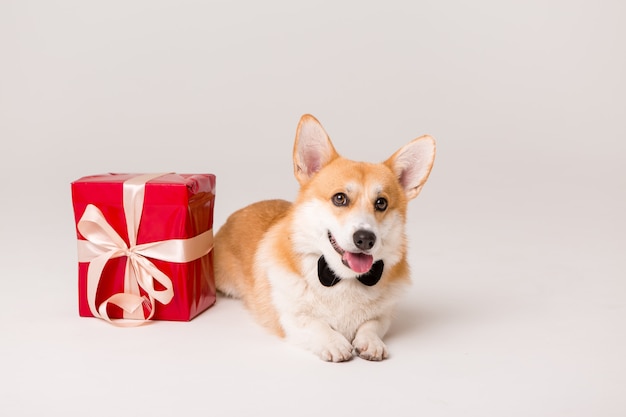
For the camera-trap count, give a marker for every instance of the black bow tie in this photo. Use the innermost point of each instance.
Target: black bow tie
(328, 278)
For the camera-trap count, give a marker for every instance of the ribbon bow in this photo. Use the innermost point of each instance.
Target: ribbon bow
(103, 243)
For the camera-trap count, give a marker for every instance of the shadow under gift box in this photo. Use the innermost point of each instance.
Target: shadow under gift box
(176, 206)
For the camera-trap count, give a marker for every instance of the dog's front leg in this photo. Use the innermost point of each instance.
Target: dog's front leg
(318, 337)
(368, 341)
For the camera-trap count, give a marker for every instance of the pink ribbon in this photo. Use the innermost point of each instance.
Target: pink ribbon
(103, 243)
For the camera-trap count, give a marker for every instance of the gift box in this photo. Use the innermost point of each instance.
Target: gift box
(144, 246)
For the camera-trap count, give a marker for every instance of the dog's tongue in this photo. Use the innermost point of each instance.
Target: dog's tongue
(358, 262)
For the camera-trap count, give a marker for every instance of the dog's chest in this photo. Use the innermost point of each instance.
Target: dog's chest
(348, 304)
(345, 306)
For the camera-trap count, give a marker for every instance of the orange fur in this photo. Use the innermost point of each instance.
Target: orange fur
(237, 241)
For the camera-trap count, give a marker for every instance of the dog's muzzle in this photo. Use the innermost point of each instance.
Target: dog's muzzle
(359, 262)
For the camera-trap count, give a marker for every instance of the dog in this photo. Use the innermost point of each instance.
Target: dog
(326, 271)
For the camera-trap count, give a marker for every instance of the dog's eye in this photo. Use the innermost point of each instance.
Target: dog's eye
(381, 204)
(340, 199)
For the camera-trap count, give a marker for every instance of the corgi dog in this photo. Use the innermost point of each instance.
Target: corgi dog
(326, 271)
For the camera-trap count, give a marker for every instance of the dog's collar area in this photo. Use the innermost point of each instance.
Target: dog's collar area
(328, 278)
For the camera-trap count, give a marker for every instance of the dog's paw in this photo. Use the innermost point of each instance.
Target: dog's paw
(370, 347)
(336, 350)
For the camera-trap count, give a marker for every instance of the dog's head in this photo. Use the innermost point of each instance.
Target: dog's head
(354, 213)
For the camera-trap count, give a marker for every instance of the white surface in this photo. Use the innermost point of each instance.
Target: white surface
(517, 242)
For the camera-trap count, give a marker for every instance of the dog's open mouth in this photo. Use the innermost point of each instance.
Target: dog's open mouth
(358, 262)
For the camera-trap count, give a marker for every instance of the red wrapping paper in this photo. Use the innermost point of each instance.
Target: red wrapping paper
(176, 206)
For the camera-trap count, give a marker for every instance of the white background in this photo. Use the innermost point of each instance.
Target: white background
(518, 240)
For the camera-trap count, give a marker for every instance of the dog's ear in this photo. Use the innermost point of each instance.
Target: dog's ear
(312, 149)
(412, 164)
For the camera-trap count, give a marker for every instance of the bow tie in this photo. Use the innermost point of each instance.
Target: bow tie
(328, 278)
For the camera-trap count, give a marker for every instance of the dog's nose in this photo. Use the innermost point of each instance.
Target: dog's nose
(364, 239)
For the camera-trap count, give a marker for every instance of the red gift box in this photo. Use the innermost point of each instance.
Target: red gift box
(144, 246)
